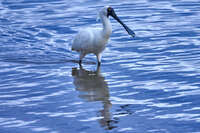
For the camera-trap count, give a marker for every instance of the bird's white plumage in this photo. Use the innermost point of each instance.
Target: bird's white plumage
(93, 40)
(89, 40)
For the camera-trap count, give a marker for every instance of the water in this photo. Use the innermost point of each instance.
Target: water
(149, 84)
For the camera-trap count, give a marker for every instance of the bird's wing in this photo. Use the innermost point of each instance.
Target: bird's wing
(82, 40)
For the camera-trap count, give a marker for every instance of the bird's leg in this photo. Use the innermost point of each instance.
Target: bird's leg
(81, 56)
(99, 63)
(80, 66)
(99, 58)
(80, 62)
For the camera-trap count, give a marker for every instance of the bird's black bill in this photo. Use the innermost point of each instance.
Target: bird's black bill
(130, 32)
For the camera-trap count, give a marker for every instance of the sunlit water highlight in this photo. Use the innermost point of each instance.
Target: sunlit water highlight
(147, 84)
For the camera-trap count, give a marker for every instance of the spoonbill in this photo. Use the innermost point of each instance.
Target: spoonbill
(94, 40)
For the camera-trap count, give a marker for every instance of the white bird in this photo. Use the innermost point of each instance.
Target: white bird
(94, 40)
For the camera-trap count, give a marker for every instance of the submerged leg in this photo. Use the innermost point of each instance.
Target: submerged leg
(81, 56)
(99, 58)
(99, 63)
(80, 62)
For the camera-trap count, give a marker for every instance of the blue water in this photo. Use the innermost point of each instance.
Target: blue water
(150, 84)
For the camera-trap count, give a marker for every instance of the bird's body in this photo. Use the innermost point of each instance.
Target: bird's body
(90, 40)
(94, 40)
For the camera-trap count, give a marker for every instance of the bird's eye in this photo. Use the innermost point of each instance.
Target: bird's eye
(109, 9)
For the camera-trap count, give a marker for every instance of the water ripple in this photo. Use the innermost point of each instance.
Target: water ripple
(150, 80)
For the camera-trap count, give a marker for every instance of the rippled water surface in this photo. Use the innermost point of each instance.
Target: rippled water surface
(150, 84)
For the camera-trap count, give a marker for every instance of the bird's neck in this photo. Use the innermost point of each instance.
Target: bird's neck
(107, 27)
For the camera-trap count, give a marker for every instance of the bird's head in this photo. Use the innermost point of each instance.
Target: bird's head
(109, 11)
(106, 11)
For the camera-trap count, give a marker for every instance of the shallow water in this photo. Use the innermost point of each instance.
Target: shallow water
(147, 84)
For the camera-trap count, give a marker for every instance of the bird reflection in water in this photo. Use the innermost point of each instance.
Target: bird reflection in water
(93, 87)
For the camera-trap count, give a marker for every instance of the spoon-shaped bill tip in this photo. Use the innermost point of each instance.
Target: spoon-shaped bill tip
(130, 32)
